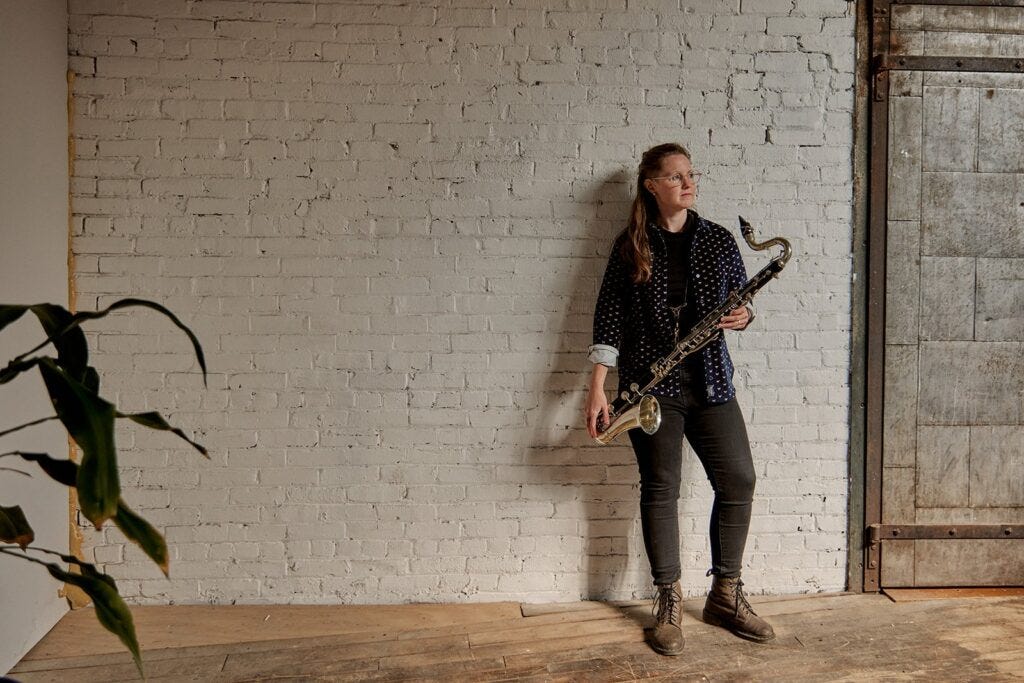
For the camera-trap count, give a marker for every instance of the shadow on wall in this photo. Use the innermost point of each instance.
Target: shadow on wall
(594, 489)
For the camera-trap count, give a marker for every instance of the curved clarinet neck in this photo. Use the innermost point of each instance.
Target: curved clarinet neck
(748, 235)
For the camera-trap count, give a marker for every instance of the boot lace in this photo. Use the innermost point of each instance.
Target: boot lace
(741, 601)
(668, 605)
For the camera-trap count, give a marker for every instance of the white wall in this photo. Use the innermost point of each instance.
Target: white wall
(387, 224)
(33, 269)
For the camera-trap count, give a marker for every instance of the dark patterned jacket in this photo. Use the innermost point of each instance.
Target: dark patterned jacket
(634, 327)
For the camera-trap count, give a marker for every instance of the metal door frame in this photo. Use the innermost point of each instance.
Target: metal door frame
(866, 424)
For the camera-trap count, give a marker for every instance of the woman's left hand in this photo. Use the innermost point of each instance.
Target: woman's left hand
(737, 319)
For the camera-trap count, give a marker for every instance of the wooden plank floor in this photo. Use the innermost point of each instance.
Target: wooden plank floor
(837, 637)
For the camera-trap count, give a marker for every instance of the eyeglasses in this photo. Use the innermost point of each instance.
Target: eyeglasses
(676, 179)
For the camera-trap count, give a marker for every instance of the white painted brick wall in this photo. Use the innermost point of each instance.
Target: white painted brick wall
(387, 224)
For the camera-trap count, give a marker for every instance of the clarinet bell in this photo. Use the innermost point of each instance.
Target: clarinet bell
(646, 415)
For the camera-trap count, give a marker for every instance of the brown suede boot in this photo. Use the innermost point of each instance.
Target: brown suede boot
(727, 607)
(666, 638)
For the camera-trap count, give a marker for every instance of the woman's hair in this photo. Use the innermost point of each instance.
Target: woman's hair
(636, 249)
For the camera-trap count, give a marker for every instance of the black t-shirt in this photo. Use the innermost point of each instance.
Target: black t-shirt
(679, 245)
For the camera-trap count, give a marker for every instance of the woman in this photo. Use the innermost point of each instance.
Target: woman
(667, 270)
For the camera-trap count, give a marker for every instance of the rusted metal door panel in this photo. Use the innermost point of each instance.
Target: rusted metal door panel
(952, 396)
(955, 562)
(958, 30)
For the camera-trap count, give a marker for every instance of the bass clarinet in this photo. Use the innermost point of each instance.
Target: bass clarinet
(637, 407)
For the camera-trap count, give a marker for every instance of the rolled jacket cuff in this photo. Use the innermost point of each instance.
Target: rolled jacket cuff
(603, 354)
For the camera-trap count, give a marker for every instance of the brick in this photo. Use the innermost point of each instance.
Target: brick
(136, 27)
(791, 62)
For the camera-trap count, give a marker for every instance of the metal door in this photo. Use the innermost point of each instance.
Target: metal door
(945, 434)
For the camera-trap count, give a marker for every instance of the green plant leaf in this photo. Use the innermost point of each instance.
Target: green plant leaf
(141, 532)
(111, 610)
(62, 471)
(125, 303)
(134, 527)
(91, 380)
(33, 423)
(80, 317)
(72, 349)
(90, 421)
(14, 528)
(10, 313)
(15, 368)
(155, 420)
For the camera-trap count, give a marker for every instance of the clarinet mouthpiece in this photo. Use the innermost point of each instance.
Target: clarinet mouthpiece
(745, 227)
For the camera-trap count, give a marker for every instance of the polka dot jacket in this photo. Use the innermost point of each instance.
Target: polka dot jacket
(634, 327)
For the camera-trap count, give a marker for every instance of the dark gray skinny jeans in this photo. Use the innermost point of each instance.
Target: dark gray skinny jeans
(718, 436)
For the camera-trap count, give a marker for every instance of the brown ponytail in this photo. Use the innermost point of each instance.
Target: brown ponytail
(636, 249)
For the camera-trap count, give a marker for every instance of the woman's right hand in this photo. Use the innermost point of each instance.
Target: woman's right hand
(596, 410)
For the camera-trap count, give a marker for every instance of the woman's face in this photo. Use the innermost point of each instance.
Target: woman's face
(673, 188)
